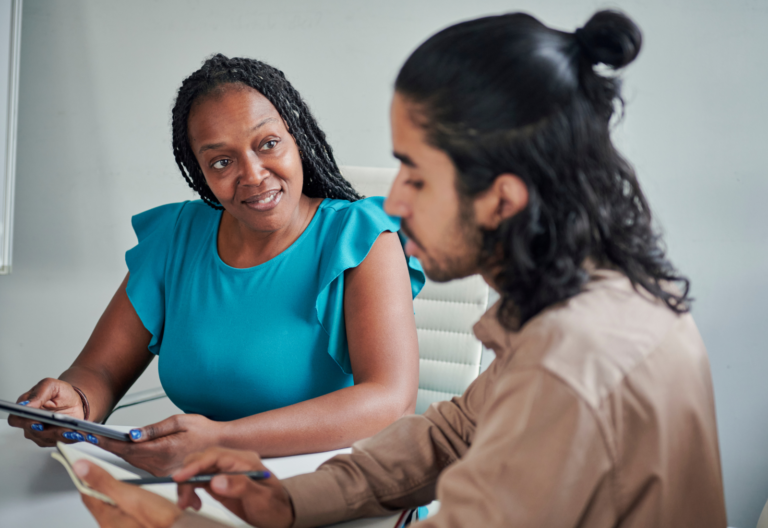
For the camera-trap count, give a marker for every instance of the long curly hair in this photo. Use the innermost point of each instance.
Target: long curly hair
(322, 178)
(506, 94)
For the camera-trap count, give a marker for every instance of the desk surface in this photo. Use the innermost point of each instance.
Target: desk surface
(35, 490)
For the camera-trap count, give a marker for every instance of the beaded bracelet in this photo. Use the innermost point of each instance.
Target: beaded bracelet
(86, 406)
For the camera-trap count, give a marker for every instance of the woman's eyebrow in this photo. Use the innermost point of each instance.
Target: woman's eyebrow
(213, 146)
(264, 122)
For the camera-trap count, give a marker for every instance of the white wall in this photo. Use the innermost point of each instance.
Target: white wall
(97, 84)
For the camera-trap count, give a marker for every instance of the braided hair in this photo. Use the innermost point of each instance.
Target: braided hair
(322, 178)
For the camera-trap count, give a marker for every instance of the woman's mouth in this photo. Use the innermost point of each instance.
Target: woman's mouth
(264, 201)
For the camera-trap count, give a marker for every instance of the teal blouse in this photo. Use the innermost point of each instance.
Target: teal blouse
(235, 342)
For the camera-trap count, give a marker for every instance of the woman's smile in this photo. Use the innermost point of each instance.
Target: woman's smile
(265, 201)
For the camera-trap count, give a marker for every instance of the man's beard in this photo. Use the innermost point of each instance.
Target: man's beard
(461, 259)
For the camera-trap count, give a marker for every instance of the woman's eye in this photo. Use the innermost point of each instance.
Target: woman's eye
(269, 145)
(221, 164)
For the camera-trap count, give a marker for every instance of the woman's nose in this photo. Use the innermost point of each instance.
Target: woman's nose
(254, 171)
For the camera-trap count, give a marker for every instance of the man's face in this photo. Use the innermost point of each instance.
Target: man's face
(440, 225)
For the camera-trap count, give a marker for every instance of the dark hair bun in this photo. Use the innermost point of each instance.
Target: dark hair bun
(611, 38)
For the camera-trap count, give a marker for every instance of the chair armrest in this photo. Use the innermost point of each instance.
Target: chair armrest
(136, 398)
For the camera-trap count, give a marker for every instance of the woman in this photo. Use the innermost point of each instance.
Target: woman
(280, 305)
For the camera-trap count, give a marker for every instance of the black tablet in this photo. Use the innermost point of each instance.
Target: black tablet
(62, 420)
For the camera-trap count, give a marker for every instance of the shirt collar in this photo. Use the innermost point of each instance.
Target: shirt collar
(490, 331)
(501, 340)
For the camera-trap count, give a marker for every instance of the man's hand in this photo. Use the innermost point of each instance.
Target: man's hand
(263, 503)
(162, 447)
(135, 507)
(50, 395)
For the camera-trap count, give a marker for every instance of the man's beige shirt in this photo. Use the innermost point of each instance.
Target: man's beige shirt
(598, 413)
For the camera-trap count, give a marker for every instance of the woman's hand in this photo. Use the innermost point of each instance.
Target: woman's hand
(162, 447)
(263, 503)
(51, 395)
(134, 507)
(114, 357)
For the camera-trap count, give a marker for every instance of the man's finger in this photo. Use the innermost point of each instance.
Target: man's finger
(144, 506)
(233, 486)
(216, 459)
(188, 498)
(101, 481)
(108, 516)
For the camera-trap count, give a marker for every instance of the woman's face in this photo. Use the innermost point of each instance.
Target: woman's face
(248, 157)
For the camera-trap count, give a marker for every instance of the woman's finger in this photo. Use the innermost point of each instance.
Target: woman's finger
(24, 398)
(131, 449)
(33, 429)
(18, 421)
(72, 437)
(169, 426)
(111, 445)
(45, 439)
(44, 392)
(43, 436)
(155, 457)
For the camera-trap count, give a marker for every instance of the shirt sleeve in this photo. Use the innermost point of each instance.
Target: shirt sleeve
(395, 469)
(536, 459)
(147, 262)
(359, 226)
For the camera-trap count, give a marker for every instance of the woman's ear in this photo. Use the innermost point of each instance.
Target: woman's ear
(507, 196)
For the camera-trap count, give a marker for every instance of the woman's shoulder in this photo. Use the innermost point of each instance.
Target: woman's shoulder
(350, 230)
(364, 214)
(168, 218)
(371, 203)
(177, 210)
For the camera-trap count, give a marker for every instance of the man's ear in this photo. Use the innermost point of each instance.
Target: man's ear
(507, 196)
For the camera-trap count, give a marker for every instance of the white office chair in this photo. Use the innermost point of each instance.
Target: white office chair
(445, 313)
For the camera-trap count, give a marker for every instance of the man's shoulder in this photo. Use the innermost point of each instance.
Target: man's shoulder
(595, 341)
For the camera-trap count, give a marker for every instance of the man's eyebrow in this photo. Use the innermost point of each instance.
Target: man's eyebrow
(404, 159)
(214, 146)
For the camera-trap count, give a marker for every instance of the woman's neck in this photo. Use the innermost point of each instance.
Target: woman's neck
(240, 246)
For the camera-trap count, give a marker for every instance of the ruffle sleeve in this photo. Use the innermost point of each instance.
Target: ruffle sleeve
(358, 227)
(147, 263)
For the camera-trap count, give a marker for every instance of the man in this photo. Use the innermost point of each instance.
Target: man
(598, 410)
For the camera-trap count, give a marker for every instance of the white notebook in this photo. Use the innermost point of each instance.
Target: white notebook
(67, 456)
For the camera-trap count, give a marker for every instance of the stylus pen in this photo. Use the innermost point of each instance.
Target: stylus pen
(253, 475)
